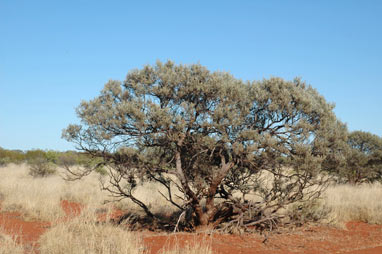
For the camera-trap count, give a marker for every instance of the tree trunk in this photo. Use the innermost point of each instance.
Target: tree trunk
(205, 216)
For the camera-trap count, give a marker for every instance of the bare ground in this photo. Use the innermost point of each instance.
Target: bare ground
(354, 238)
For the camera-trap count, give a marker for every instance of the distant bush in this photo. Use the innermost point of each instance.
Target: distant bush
(34, 154)
(11, 156)
(70, 158)
(363, 159)
(4, 161)
(52, 156)
(41, 167)
(67, 159)
(38, 158)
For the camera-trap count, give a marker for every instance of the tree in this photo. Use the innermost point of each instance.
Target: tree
(216, 135)
(364, 158)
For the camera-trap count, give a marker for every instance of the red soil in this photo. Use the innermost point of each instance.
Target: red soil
(114, 215)
(71, 208)
(357, 238)
(25, 232)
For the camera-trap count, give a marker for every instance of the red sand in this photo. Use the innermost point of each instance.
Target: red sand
(71, 208)
(26, 232)
(357, 238)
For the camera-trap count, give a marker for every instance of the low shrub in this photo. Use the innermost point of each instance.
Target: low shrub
(4, 161)
(41, 167)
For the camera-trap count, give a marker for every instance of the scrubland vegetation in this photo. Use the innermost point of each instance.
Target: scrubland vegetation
(39, 199)
(183, 148)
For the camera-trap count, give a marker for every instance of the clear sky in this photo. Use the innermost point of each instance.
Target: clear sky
(53, 54)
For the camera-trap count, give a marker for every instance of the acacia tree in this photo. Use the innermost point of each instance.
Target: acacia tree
(216, 135)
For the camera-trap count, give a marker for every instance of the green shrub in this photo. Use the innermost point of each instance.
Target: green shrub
(34, 154)
(52, 156)
(11, 156)
(67, 159)
(41, 167)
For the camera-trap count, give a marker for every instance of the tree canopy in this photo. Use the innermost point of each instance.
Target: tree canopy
(212, 136)
(364, 158)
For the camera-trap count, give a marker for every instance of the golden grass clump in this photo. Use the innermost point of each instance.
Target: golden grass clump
(191, 248)
(355, 203)
(83, 235)
(8, 245)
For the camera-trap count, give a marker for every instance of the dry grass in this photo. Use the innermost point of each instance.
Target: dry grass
(190, 248)
(86, 236)
(149, 194)
(343, 203)
(8, 245)
(354, 203)
(39, 198)
(83, 235)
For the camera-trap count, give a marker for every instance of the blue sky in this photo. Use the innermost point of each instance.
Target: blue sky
(53, 54)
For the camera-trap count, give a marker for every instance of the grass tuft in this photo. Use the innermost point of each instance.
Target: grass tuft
(8, 245)
(355, 203)
(83, 235)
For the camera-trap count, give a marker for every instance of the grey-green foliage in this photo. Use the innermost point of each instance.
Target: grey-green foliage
(364, 158)
(365, 142)
(217, 134)
(11, 156)
(41, 167)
